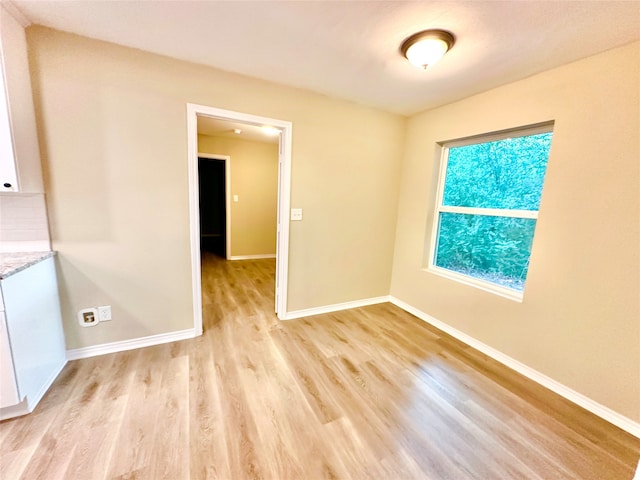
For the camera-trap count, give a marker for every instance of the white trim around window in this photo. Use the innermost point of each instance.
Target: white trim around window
(442, 155)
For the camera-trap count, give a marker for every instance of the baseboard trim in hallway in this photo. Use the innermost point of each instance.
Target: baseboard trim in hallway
(592, 406)
(252, 257)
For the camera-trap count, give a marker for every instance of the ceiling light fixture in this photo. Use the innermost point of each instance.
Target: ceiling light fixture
(271, 131)
(425, 48)
(237, 131)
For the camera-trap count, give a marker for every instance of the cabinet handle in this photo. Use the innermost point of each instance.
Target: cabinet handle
(7, 185)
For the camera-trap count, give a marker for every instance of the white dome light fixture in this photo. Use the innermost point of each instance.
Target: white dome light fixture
(425, 48)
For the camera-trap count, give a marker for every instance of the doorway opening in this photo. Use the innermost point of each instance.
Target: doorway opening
(284, 131)
(214, 181)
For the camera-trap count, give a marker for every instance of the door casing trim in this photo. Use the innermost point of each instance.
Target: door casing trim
(284, 201)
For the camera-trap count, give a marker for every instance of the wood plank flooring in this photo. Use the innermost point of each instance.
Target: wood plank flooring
(366, 393)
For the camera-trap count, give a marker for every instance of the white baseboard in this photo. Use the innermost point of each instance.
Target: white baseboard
(334, 308)
(252, 257)
(579, 399)
(13, 411)
(142, 342)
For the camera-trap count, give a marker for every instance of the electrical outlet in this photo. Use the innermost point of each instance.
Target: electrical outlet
(104, 313)
(296, 214)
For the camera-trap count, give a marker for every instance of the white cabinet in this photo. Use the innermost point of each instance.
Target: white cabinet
(35, 335)
(20, 168)
(8, 170)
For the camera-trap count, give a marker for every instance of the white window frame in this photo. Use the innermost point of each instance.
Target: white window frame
(439, 208)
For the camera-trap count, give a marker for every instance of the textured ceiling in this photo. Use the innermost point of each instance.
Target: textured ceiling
(349, 49)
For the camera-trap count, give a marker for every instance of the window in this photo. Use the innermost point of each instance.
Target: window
(487, 206)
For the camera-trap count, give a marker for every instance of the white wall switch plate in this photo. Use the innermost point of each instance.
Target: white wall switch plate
(104, 313)
(296, 214)
(235, 198)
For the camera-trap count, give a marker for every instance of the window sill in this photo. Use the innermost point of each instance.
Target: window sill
(504, 292)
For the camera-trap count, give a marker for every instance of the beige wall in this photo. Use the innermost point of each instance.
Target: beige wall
(580, 319)
(254, 178)
(113, 131)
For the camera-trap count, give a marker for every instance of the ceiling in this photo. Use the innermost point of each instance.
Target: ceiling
(350, 49)
(224, 128)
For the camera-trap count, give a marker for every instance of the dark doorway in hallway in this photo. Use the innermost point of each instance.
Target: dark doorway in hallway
(213, 223)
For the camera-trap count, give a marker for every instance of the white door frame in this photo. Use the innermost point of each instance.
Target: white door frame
(284, 201)
(227, 197)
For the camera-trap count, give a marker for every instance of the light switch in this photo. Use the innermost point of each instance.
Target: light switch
(296, 214)
(235, 198)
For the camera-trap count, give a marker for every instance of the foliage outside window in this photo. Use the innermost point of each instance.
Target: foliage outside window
(487, 206)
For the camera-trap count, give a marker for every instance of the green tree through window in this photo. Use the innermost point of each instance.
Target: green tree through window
(488, 204)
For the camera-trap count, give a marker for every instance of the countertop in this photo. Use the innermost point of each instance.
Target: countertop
(11, 262)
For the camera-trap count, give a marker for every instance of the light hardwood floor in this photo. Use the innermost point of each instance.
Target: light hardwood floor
(366, 393)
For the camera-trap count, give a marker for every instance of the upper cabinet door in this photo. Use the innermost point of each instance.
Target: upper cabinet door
(8, 173)
(20, 166)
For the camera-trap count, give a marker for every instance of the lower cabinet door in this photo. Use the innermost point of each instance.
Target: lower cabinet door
(32, 310)
(8, 386)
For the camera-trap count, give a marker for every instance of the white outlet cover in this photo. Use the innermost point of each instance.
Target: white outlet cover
(296, 214)
(104, 313)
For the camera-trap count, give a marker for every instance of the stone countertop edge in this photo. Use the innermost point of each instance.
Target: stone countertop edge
(14, 262)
